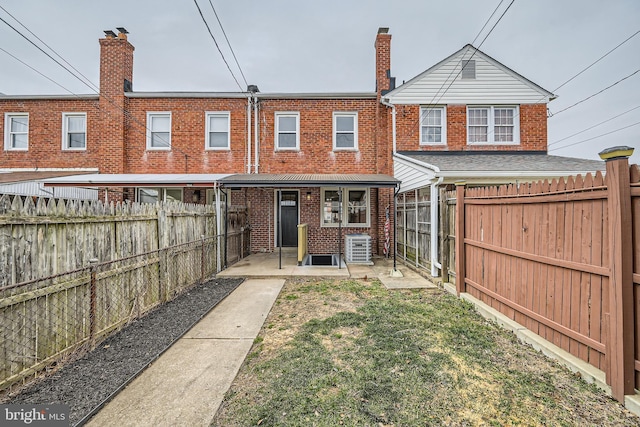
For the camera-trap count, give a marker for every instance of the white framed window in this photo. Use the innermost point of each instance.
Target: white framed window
(287, 131)
(16, 131)
(345, 130)
(74, 131)
(154, 195)
(353, 208)
(217, 131)
(159, 130)
(493, 125)
(433, 126)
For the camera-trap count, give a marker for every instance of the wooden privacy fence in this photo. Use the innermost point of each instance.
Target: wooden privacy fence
(561, 258)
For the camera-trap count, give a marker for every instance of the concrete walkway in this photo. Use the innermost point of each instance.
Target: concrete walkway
(186, 385)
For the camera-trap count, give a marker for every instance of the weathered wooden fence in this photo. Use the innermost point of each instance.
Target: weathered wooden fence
(561, 258)
(71, 273)
(47, 236)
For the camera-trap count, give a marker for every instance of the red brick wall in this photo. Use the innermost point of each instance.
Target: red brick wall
(316, 153)
(45, 134)
(322, 240)
(188, 124)
(533, 130)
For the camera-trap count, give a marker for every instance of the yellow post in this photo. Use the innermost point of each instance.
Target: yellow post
(302, 242)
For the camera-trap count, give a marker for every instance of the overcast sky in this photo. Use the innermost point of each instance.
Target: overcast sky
(327, 46)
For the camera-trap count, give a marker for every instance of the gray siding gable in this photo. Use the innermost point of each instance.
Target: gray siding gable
(494, 84)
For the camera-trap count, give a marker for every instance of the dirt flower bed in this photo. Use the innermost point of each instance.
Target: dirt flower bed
(353, 353)
(85, 383)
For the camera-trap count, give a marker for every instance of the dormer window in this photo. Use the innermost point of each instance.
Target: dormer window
(468, 70)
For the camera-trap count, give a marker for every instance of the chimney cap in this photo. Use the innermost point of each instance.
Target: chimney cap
(383, 30)
(109, 33)
(122, 30)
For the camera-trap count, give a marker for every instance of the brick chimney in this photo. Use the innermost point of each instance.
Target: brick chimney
(116, 77)
(383, 61)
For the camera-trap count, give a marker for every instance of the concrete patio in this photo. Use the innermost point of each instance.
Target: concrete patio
(270, 265)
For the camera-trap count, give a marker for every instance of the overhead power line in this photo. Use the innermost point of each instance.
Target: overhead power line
(46, 53)
(32, 68)
(595, 137)
(228, 43)
(216, 43)
(594, 126)
(50, 48)
(598, 60)
(597, 93)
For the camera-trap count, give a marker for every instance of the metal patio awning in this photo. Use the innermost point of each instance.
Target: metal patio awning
(308, 180)
(199, 180)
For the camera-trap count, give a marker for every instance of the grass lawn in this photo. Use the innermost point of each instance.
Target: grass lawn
(354, 353)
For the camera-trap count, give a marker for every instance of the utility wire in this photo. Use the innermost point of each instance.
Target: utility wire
(48, 47)
(594, 126)
(228, 43)
(597, 93)
(46, 53)
(595, 137)
(598, 60)
(43, 75)
(216, 43)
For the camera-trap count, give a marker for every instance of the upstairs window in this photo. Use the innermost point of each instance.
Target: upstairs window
(218, 137)
(74, 131)
(345, 131)
(16, 133)
(493, 125)
(159, 131)
(287, 133)
(433, 125)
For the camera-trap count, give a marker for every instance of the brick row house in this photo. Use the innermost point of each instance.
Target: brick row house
(334, 161)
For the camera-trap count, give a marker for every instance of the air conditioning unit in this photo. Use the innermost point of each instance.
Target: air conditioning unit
(358, 248)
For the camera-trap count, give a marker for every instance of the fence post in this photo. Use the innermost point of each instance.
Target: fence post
(620, 354)
(202, 260)
(93, 262)
(444, 231)
(460, 270)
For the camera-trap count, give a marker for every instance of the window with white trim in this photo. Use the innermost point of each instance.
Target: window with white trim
(74, 131)
(287, 131)
(353, 208)
(16, 131)
(159, 131)
(154, 195)
(217, 131)
(433, 126)
(493, 125)
(345, 131)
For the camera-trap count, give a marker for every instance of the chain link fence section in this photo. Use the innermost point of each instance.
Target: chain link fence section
(47, 320)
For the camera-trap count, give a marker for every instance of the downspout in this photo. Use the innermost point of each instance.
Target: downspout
(249, 133)
(435, 222)
(385, 102)
(256, 122)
